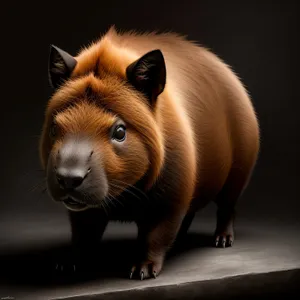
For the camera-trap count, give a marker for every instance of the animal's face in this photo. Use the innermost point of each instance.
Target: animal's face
(94, 155)
(99, 134)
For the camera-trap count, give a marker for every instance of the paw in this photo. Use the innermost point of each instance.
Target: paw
(224, 239)
(65, 265)
(146, 269)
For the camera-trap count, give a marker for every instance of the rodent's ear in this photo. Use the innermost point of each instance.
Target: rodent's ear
(60, 66)
(148, 74)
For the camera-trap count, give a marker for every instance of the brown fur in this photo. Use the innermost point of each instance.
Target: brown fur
(199, 143)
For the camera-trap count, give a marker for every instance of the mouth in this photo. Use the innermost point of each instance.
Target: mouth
(73, 205)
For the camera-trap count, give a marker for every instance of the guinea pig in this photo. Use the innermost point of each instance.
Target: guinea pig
(146, 128)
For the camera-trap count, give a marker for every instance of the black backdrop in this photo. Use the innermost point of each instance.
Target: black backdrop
(258, 38)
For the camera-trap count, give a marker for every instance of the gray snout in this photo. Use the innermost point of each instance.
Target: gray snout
(73, 162)
(75, 174)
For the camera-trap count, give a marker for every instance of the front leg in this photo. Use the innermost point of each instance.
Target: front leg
(169, 200)
(87, 228)
(154, 240)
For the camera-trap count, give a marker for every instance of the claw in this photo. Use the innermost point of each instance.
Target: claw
(217, 241)
(224, 242)
(145, 270)
(132, 272)
(130, 275)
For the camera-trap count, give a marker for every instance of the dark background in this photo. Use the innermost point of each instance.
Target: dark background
(259, 39)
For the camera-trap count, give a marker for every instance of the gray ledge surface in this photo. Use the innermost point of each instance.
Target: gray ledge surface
(265, 258)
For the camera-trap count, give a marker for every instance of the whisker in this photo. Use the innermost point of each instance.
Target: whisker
(87, 196)
(27, 173)
(105, 206)
(91, 195)
(38, 185)
(111, 200)
(114, 199)
(126, 189)
(132, 186)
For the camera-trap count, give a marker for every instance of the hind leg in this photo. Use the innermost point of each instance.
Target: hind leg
(245, 143)
(224, 233)
(226, 202)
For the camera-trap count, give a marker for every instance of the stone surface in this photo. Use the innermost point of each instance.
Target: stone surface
(264, 258)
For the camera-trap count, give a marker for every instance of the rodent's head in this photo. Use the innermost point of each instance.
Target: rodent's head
(100, 134)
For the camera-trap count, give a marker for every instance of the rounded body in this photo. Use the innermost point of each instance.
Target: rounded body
(206, 115)
(192, 137)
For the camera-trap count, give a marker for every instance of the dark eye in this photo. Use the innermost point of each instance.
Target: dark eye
(119, 133)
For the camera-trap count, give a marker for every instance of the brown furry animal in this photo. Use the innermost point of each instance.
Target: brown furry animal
(146, 128)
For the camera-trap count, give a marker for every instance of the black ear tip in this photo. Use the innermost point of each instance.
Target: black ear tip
(157, 52)
(157, 55)
(53, 47)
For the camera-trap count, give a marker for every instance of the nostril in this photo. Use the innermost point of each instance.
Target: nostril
(92, 152)
(75, 182)
(69, 182)
(60, 181)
